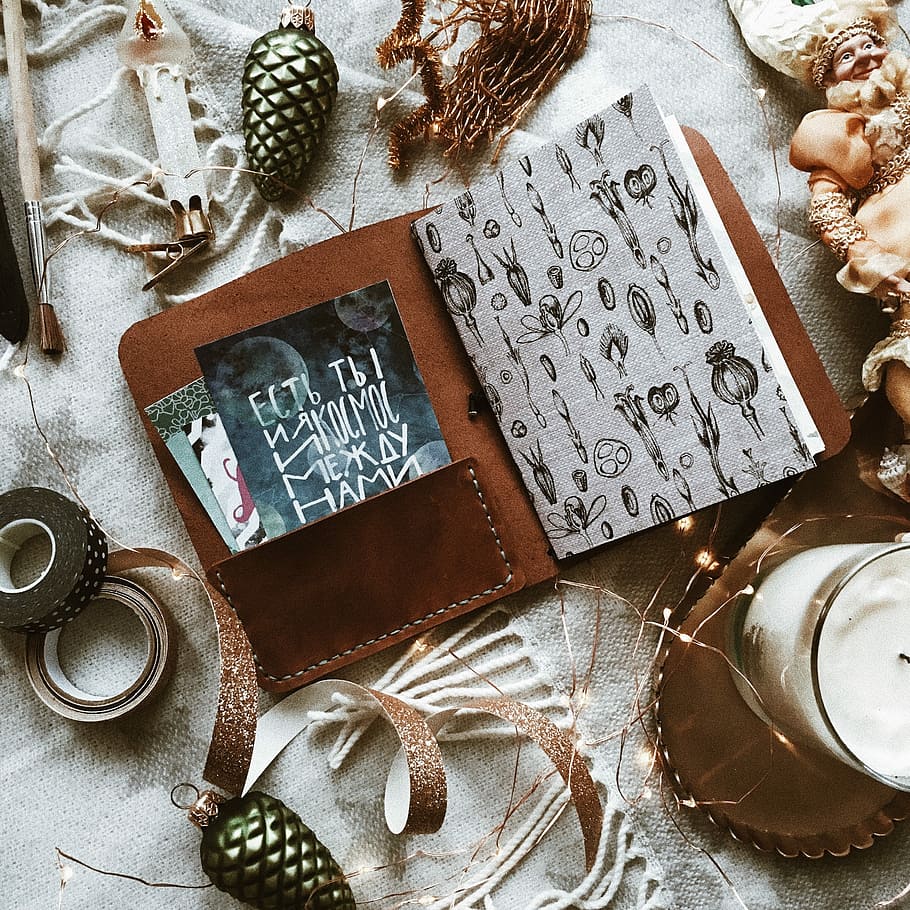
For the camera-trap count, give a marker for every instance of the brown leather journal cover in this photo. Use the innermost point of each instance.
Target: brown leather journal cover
(399, 563)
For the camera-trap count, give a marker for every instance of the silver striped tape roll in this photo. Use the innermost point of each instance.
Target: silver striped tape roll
(52, 686)
(74, 572)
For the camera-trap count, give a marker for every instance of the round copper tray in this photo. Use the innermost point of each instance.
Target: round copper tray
(764, 790)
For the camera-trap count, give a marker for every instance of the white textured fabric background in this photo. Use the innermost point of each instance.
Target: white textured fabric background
(101, 792)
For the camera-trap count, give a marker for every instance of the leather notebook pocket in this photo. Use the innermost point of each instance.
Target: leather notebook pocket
(354, 582)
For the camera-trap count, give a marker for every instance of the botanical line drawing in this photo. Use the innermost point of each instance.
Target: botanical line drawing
(466, 208)
(629, 405)
(663, 401)
(548, 366)
(525, 163)
(555, 277)
(708, 433)
(614, 345)
(565, 162)
(491, 229)
(459, 293)
(661, 510)
(641, 184)
(580, 479)
(755, 468)
(611, 457)
(734, 381)
(590, 135)
(515, 275)
(660, 273)
(489, 390)
(574, 436)
(434, 238)
(606, 293)
(550, 230)
(630, 500)
(587, 249)
(484, 272)
(800, 449)
(577, 518)
(685, 211)
(683, 488)
(643, 313)
(515, 357)
(516, 218)
(542, 475)
(551, 319)
(624, 107)
(604, 191)
(588, 371)
(703, 317)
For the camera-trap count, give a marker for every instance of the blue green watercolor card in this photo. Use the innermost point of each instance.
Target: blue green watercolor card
(324, 407)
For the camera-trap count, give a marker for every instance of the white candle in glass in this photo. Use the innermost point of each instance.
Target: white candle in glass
(824, 642)
(154, 45)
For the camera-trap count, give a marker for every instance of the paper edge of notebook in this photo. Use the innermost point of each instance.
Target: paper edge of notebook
(778, 363)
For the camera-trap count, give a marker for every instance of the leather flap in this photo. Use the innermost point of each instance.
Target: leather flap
(375, 573)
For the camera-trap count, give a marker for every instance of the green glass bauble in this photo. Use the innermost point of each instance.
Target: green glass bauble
(259, 851)
(289, 86)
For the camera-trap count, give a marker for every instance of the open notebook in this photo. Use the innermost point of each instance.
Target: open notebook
(615, 332)
(461, 535)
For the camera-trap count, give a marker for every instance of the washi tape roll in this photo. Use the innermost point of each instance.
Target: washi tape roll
(74, 572)
(42, 662)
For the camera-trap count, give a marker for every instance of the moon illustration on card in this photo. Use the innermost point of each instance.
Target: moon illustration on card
(365, 310)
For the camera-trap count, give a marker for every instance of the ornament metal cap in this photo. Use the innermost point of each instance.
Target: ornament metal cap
(204, 806)
(296, 16)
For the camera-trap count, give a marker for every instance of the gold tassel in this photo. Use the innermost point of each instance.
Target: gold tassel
(523, 46)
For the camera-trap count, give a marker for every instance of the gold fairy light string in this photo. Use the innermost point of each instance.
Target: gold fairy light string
(58, 462)
(408, 897)
(66, 874)
(758, 91)
(698, 848)
(683, 528)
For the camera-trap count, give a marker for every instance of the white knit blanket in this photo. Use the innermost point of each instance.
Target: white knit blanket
(101, 792)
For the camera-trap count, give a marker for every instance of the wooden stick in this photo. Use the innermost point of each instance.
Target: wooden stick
(20, 95)
(29, 169)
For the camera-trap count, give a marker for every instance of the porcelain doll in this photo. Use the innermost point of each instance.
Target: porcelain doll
(857, 154)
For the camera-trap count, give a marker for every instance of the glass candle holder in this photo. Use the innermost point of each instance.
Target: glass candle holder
(820, 647)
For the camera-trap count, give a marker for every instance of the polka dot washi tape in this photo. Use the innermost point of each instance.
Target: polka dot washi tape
(74, 571)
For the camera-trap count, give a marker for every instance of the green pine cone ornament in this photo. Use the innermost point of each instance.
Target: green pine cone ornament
(259, 851)
(289, 86)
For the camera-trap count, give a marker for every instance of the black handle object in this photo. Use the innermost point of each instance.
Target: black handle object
(13, 302)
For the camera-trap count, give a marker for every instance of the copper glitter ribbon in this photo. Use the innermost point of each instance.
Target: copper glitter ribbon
(416, 794)
(234, 733)
(559, 747)
(415, 800)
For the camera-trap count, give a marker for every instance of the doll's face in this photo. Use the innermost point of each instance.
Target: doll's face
(856, 60)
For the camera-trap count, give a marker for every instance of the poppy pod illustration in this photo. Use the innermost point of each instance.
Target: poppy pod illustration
(734, 381)
(459, 293)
